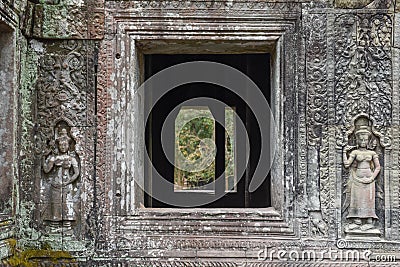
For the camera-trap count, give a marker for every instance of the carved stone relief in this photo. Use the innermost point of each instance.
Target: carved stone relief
(316, 76)
(59, 144)
(103, 146)
(69, 19)
(363, 68)
(64, 86)
(381, 4)
(343, 81)
(363, 181)
(60, 185)
(64, 184)
(319, 191)
(363, 85)
(241, 6)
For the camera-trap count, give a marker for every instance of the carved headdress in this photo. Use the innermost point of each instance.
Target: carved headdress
(363, 130)
(63, 136)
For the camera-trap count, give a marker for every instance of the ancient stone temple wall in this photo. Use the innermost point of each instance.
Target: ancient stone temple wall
(9, 69)
(73, 144)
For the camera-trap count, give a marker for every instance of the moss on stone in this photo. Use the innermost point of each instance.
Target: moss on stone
(32, 257)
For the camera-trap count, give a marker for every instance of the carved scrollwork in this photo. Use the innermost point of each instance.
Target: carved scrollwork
(363, 89)
(363, 68)
(317, 119)
(316, 76)
(62, 85)
(200, 4)
(363, 3)
(352, 3)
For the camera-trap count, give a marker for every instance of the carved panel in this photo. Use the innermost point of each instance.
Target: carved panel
(65, 89)
(363, 68)
(363, 86)
(96, 24)
(394, 183)
(60, 21)
(96, 19)
(363, 211)
(65, 184)
(316, 73)
(61, 184)
(203, 8)
(57, 187)
(103, 147)
(227, 263)
(319, 190)
(69, 19)
(364, 4)
(301, 202)
(209, 5)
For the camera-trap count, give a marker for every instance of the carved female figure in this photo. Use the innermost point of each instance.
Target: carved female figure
(365, 167)
(63, 170)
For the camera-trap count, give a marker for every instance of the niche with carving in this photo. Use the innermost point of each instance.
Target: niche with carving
(60, 183)
(363, 181)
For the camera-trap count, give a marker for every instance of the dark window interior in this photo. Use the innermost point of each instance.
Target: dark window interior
(257, 67)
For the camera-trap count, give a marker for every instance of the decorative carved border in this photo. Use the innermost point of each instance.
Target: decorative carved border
(119, 53)
(320, 193)
(364, 85)
(206, 7)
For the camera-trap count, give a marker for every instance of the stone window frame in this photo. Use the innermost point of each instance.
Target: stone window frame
(129, 37)
(9, 26)
(8, 38)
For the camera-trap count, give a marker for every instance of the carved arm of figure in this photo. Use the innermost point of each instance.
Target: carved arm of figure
(348, 161)
(377, 166)
(48, 164)
(75, 167)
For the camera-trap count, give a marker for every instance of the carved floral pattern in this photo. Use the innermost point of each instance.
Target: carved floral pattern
(62, 85)
(316, 56)
(363, 68)
(59, 19)
(363, 4)
(204, 5)
(103, 153)
(317, 117)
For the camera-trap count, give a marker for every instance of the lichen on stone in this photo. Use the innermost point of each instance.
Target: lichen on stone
(32, 257)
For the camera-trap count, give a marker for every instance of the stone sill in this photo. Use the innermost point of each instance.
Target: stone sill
(221, 221)
(248, 213)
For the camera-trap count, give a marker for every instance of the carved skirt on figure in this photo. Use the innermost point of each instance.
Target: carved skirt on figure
(362, 199)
